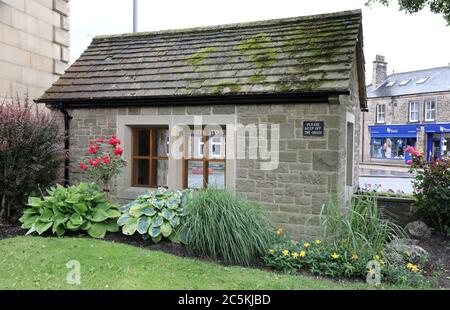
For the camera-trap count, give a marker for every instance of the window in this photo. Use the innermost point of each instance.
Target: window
(404, 82)
(430, 110)
(150, 157)
(414, 111)
(390, 83)
(422, 80)
(390, 148)
(203, 169)
(381, 113)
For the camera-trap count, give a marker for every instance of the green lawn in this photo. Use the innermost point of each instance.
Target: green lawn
(40, 263)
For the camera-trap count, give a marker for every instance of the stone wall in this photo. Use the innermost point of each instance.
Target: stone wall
(397, 110)
(34, 45)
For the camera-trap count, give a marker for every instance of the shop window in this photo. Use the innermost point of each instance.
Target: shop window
(414, 111)
(150, 157)
(203, 169)
(391, 148)
(381, 113)
(430, 110)
(377, 148)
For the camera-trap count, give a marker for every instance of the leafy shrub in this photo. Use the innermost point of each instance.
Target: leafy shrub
(31, 153)
(225, 227)
(155, 215)
(73, 208)
(432, 190)
(362, 229)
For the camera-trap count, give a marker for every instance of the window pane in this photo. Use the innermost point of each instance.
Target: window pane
(377, 148)
(194, 174)
(141, 171)
(216, 176)
(196, 145)
(161, 143)
(217, 144)
(160, 170)
(142, 142)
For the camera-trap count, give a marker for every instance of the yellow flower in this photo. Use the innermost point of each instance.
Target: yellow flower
(335, 255)
(295, 255)
(285, 253)
(378, 259)
(271, 251)
(412, 267)
(355, 257)
(371, 271)
(317, 241)
(307, 244)
(279, 231)
(302, 254)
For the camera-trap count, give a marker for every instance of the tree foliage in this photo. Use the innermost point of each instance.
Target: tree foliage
(414, 6)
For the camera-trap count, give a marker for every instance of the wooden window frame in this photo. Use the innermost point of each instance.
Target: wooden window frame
(151, 158)
(205, 159)
(378, 113)
(430, 110)
(410, 111)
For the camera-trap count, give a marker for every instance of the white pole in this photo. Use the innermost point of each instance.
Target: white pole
(135, 15)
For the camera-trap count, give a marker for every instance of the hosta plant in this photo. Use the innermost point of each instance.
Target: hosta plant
(74, 208)
(155, 215)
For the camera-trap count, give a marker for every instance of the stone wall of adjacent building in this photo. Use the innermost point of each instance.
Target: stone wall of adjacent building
(34, 45)
(397, 112)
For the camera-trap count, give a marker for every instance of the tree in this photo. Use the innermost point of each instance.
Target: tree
(414, 6)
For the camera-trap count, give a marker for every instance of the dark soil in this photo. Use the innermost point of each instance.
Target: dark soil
(438, 265)
(11, 230)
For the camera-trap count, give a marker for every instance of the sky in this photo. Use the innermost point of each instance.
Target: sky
(409, 42)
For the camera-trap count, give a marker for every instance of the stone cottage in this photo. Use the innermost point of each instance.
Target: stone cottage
(269, 110)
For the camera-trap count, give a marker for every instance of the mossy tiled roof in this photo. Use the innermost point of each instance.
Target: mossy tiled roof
(295, 55)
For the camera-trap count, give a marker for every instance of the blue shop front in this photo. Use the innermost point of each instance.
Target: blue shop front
(437, 136)
(389, 142)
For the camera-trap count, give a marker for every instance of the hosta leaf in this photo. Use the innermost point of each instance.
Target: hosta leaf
(46, 216)
(123, 219)
(175, 221)
(35, 202)
(99, 215)
(174, 237)
(127, 207)
(166, 229)
(143, 225)
(97, 230)
(31, 230)
(157, 221)
(130, 226)
(154, 232)
(111, 225)
(184, 235)
(135, 211)
(159, 204)
(59, 229)
(80, 208)
(149, 211)
(145, 236)
(157, 239)
(167, 214)
(104, 206)
(113, 213)
(76, 219)
(41, 227)
(28, 220)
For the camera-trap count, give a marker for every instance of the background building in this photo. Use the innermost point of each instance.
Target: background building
(410, 108)
(34, 45)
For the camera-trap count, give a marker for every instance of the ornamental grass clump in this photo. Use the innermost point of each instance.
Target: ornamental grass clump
(31, 154)
(224, 227)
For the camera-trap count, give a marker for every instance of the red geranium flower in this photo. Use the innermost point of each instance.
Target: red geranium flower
(106, 159)
(92, 149)
(409, 162)
(114, 141)
(84, 167)
(100, 140)
(118, 151)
